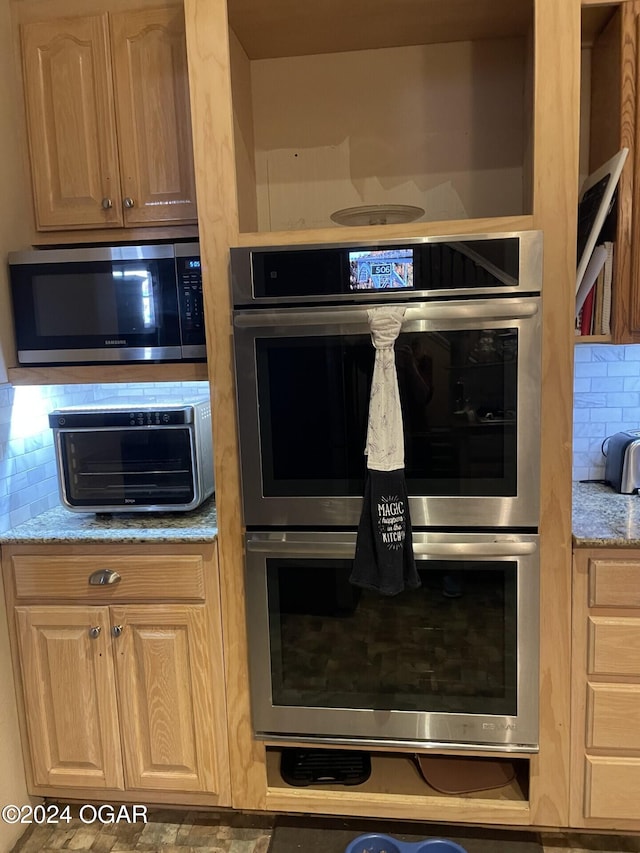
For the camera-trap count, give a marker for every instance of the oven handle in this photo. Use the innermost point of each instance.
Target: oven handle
(451, 550)
(512, 309)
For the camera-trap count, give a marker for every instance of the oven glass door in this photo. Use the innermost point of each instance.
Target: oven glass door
(117, 467)
(468, 376)
(450, 661)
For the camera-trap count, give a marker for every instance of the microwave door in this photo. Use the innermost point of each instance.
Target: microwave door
(96, 311)
(471, 443)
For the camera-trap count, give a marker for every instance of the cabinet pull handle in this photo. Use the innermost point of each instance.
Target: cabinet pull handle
(101, 577)
(107, 204)
(128, 202)
(117, 630)
(94, 632)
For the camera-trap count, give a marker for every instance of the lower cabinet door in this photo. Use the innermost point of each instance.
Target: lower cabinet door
(70, 698)
(165, 694)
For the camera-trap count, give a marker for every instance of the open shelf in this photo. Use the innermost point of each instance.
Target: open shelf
(336, 109)
(397, 787)
(288, 28)
(607, 123)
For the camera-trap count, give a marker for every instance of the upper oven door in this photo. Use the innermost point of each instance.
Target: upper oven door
(94, 305)
(469, 380)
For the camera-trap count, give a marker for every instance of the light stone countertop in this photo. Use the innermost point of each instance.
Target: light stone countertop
(604, 518)
(59, 525)
(601, 518)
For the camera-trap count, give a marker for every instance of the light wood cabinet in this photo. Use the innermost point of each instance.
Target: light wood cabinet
(610, 67)
(117, 695)
(109, 124)
(605, 729)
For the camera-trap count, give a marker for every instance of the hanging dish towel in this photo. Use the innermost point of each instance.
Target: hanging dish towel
(384, 549)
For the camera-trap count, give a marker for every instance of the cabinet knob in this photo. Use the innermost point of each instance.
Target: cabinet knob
(128, 202)
(94, 632)
(107, 204)
(101, 577)
(117, 630)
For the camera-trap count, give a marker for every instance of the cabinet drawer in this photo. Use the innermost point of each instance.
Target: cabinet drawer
(143, 577)
(614, 645)
(614, 583)
(613, 716)
(611, 788)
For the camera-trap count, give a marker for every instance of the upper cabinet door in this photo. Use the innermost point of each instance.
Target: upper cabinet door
(153, 116)
(72, 134)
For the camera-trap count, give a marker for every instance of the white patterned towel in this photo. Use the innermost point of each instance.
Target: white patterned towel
(385, 439)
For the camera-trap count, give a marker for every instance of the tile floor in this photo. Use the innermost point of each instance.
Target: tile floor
(166, 830)
(169, 831)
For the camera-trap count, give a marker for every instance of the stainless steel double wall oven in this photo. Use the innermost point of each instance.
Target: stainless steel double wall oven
(456, 661)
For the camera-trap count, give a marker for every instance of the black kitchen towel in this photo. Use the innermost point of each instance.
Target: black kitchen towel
(384, 559)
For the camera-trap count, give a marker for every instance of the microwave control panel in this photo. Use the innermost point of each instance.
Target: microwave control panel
(189, 277)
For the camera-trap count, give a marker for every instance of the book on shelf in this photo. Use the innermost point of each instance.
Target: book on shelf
(593, 300)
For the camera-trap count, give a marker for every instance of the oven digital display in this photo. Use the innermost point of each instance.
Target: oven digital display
(381, 269)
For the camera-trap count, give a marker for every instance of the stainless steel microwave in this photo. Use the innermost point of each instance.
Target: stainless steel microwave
(128, 456)
(108, 304)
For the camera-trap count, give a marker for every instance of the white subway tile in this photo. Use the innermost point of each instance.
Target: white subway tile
(607, 353)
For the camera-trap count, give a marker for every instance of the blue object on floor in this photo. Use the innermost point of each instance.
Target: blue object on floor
(378, 843)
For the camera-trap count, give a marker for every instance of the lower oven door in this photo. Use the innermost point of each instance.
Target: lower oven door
(453, 663)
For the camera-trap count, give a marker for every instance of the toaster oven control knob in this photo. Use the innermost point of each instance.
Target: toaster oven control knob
(128, 202)
(107, 204)
(117, 630)
(94, 632)
(102, 577)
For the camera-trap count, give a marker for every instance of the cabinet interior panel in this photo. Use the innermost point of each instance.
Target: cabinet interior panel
(439, 127)
(288, 28)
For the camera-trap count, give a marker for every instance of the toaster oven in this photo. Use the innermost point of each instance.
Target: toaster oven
(133, 457)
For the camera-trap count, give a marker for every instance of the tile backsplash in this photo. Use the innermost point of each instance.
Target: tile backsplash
(28, 480)
(606, 399)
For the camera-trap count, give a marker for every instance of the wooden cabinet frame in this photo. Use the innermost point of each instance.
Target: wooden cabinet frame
(555, 43)
(150, 686)
(605, 696)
